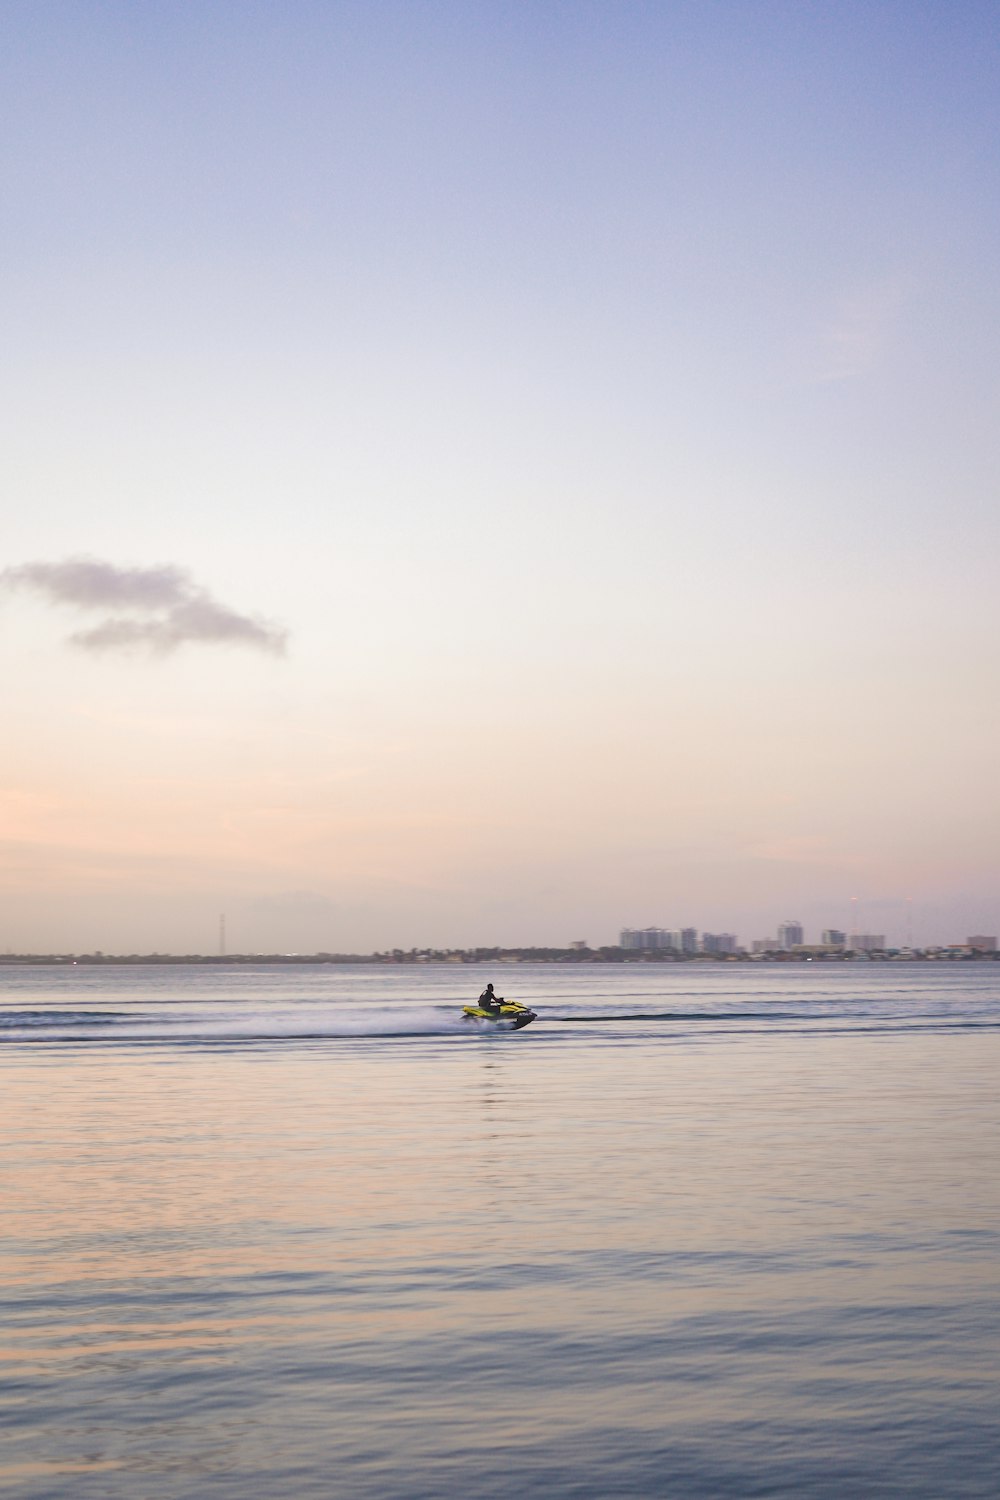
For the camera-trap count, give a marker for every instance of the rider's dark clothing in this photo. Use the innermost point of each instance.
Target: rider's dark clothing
(489, 1001)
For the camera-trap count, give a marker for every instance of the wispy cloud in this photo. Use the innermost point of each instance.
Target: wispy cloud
(862, 327)
(156, 609)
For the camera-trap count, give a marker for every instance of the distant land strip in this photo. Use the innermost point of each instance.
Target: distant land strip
(954, 953)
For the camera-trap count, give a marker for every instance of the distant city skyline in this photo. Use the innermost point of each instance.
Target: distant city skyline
(649, 944)
(783, 935)
(790, 936)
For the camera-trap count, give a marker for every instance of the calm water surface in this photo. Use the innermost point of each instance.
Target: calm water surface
(296, 1233)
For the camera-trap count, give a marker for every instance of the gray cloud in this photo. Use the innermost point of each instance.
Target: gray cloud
(172, 609)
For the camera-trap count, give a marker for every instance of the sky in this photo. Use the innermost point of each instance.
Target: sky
(495, 473)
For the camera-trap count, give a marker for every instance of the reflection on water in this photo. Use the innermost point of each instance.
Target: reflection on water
(300, 1234)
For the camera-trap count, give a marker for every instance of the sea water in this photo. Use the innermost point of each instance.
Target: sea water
(700, 1231)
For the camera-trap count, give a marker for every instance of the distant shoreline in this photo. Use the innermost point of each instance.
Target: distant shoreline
(954, 954)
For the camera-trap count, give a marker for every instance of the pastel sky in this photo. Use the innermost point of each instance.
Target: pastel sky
(537, 464)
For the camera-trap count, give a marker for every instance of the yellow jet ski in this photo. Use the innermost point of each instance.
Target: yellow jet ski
(511, 1016)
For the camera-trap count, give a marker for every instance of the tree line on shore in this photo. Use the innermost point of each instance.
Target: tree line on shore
(573, 955)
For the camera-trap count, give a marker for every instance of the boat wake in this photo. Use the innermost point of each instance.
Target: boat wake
(308, 1024)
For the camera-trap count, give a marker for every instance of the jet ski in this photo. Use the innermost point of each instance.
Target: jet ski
(511, 1016)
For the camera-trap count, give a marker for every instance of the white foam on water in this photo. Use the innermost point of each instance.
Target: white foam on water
(309, 1022)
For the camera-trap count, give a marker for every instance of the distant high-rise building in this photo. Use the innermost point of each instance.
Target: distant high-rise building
(644, 938)
(764, 945)
(719, 942)
(832, 938)
(982, 944)
(866, 942)
(677, 939)
(789, 935)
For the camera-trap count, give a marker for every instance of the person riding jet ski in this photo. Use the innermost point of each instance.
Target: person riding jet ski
(489, 1001)
(497, 1014)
